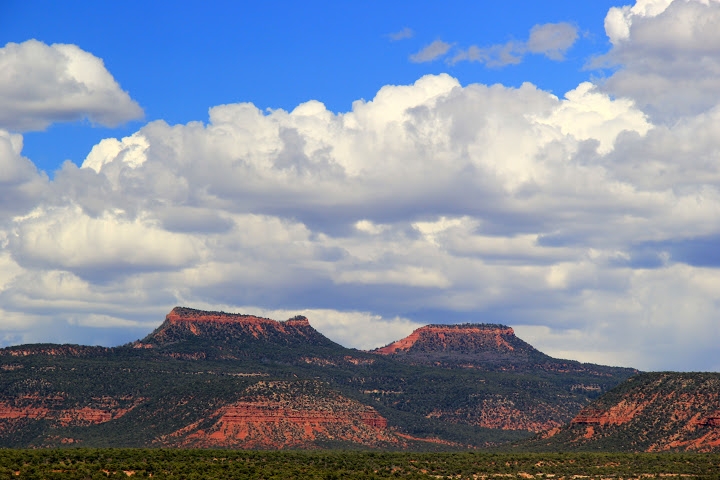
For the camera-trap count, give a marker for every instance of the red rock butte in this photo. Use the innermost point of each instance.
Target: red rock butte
(488, 334)
(181, 315)
(184, 323)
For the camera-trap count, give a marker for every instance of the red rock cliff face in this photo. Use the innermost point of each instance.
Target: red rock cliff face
(15, 413)
(194, 318)
(619, 414)
(285, 415)
(654, 412)
(181, 322)
(439, 338)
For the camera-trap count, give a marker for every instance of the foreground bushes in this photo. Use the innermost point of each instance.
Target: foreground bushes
(231, 464)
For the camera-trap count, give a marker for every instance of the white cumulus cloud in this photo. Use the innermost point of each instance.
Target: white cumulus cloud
(69, 239)
(666, 54)
(41, 84)
(21, 184)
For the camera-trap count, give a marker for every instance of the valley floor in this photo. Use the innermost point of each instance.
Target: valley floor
(235, 464)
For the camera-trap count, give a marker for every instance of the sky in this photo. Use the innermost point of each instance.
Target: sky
(553, 166)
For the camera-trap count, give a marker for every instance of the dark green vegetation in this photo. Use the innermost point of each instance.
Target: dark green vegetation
(232, 464)
(656, 411)
(175, 385)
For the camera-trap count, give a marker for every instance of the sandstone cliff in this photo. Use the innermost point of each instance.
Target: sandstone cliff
(282, 414)
(481, 341)
(650, 412)
(185, 323)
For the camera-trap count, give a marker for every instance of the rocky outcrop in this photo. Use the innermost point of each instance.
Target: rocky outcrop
(192, 317)
(220, 329)
(471, 346)
(9, 412)
(287, 415)
(709, 421)
(20, 412)
(198, 322)
(466, 337)
(619, 414)
(649, 412)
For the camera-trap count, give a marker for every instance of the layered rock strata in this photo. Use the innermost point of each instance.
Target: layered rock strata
(455, 338)
(650, 412)
(287, 415)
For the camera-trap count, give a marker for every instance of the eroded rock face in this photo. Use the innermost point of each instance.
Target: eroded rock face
(17, 413)
(651, 412)
(190, 316)
(619, 414)
(709, 421)
(187, 323)
(467, 337)
(198, 321)
(286, 415)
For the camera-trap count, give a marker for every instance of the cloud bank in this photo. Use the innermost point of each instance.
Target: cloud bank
(582, 221)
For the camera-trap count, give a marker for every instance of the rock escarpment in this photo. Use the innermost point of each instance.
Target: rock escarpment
(187, 323)
(58, 413)
(650, 412)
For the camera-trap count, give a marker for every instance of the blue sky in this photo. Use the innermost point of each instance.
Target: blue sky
(548, 165)
(178, 62)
